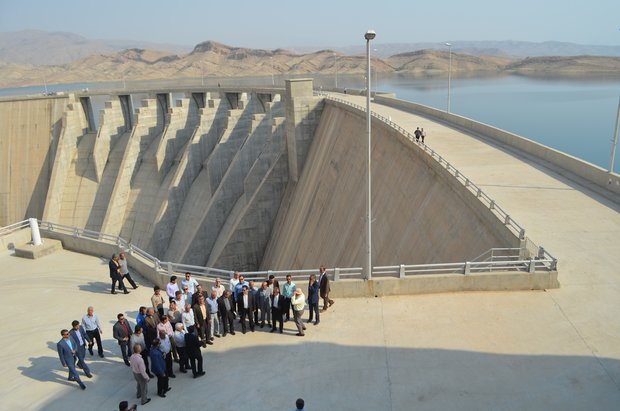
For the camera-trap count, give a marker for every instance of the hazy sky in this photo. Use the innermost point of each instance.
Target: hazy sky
(324, 23)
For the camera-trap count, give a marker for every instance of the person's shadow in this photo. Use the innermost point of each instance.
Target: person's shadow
(98, 287)
(48, 368)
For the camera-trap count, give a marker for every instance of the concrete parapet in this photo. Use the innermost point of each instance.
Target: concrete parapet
(595, 177)
(442, 283)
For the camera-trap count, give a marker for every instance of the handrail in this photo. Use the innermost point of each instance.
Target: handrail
(542, 262)
(473, 188)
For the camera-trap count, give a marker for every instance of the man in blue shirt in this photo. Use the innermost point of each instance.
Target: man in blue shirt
(66, 352)
(213, 315)
(288, 289)
(158, 367)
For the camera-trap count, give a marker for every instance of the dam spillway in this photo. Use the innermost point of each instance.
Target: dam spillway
(240, 179)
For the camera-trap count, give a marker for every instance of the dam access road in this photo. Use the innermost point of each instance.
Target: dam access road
(528, 350)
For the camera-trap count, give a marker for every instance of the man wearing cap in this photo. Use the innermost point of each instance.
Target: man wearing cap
(298, 302)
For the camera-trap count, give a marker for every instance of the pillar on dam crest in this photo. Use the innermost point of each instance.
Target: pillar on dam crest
(303, 112)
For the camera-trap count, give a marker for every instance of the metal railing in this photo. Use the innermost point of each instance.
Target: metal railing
(496, 259)
(13, 227)
(499, 212)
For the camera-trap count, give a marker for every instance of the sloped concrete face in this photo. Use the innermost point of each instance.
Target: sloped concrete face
(419, 215)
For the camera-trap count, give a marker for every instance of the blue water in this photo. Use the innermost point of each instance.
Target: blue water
(573, 116)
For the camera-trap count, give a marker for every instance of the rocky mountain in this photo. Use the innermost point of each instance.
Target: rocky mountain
(213, 59)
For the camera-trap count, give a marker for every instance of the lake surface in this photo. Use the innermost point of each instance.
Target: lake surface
(573, 116)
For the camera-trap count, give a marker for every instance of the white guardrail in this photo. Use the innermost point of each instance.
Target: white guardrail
(496, 259)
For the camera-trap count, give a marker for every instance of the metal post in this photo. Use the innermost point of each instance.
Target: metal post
(614, 142)
(370, 34)
(336, 68)
(273, 81)
(449, 73)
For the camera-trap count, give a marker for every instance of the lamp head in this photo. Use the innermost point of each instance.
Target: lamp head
(370, 35)
(449, 44)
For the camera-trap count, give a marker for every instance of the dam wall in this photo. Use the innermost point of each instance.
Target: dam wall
(29, 133)
(421, 214)
(592, 176)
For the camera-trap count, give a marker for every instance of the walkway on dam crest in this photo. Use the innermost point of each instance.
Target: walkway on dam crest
(558, 349)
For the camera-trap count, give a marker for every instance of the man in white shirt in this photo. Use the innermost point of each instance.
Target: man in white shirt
(188, 317)
(172, 287)
(218, 288)
(91, 324)
(234, 281)
(190, 283)
(298, 302)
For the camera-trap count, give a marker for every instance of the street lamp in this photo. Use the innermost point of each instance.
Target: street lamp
(370, 35)
(336, 68)
(614, 141)
(449, 73)
(273, 81)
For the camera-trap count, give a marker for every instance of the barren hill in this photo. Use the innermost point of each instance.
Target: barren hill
(215, 59)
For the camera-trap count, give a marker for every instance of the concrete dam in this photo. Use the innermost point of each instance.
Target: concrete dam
(238, 179)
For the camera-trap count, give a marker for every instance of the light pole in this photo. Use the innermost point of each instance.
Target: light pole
(370, 35)
(336, 68)
(614, 141)
(273, 81)
(449, 72)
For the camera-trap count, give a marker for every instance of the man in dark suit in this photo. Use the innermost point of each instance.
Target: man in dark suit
(122, 331)
(66, 351)
(192, 350)
(226, 306)
(278, 306)
(78, 333)
(150, 327)
(201, 318)
(246, 305)
(313, 299)
(199, 293)
(325, 288)
(158, 367)
(115, 274)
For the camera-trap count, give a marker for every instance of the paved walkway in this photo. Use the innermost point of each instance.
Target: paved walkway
(471, 351)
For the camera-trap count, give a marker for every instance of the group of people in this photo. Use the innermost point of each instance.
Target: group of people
(193, 319)
(419, 134)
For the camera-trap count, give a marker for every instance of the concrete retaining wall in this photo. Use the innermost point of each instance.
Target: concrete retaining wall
(595, 177)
